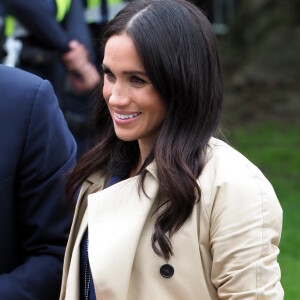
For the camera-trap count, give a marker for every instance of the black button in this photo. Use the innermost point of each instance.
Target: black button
(166, 271)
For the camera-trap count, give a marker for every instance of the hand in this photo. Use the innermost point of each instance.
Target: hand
(86, 79)
(76, 57)
(83, 74)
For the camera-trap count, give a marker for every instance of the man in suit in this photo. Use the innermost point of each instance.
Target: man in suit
(37, 150)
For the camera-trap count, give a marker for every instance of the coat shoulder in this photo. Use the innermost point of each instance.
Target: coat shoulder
(18, 87)
(230, 179)
(17, 78)
(229, 164)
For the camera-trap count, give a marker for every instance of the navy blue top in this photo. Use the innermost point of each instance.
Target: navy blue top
(84, 263)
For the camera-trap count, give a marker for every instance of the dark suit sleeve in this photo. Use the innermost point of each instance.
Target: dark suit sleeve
(77, 27)
(48, 155)
(36, 18)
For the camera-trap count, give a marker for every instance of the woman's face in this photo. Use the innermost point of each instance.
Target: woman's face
(135, 105)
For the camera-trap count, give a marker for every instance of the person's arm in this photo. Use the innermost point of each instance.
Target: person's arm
(81, 57)
(36, 18)
(78, 29)
(43, 212)
(245, 232)
(82, 73)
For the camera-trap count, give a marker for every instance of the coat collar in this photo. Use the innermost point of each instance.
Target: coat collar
(70, 283)
(116, 218)
(98, 176)
(116, 214)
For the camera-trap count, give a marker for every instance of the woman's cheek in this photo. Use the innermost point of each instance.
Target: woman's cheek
(106, 91)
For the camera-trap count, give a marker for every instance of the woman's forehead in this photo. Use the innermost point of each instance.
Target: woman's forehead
(120, 52)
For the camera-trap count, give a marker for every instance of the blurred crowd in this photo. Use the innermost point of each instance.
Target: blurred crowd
(59, 40)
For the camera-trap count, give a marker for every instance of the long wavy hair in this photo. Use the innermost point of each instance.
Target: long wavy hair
(178, 49)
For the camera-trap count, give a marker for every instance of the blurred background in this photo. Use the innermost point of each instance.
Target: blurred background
(260, 52)
(259, 43)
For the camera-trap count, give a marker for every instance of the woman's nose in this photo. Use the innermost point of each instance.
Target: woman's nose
(119, 96)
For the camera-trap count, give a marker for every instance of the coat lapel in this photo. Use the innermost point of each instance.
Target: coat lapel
(70, 282)
(116, 217)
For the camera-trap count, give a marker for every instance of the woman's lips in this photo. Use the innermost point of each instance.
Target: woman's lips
(126, 116)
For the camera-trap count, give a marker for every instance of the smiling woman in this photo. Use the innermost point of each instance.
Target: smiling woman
(136, 108)
(166, 211)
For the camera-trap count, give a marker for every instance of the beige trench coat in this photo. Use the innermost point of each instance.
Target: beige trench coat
(227, 249)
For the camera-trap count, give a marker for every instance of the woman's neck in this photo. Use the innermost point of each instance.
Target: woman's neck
(135, 169)
(144, 151)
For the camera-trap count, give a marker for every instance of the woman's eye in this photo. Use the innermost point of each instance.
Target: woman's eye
(109, 75)
(137, 80)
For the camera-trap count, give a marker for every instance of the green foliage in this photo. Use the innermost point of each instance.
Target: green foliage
(274, 148)
(254, 22)
(261, 68)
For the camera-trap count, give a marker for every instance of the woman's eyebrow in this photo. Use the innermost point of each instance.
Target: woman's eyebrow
(134, 72)
(128, 72)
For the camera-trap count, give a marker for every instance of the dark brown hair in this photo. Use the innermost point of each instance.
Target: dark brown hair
(178, 49)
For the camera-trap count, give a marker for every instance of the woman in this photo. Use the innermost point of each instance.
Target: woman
(165, 210)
